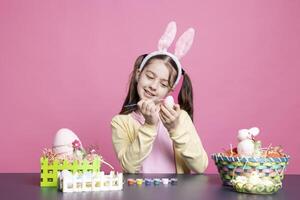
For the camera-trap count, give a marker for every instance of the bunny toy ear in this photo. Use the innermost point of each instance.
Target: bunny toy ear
(254, 131)
(167, 38)
(184, 43)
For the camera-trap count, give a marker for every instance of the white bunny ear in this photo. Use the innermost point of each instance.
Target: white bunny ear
(167, 38)
(254, 131)
(184, 43)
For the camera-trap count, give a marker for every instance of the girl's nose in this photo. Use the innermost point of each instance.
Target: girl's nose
(154, 85)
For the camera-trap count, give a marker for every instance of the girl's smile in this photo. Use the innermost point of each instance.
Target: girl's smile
(149, 94)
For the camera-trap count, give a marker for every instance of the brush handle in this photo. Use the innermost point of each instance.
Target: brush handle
(130, 105)
(135, 104)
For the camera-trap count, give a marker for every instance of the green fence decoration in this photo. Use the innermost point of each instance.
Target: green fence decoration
(49, 171)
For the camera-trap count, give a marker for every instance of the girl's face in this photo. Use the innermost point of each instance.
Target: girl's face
(153, 81)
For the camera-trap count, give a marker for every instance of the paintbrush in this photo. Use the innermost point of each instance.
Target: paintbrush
(135, 104)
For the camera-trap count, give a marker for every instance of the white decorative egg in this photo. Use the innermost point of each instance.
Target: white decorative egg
(63, 141)
(241, 179)
(267, 182)
(169, 101)
(254, 180)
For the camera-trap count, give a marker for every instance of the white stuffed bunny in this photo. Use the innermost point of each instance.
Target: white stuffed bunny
(246, 146)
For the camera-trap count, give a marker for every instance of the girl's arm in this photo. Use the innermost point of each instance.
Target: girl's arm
(131, 149)
(188, 144)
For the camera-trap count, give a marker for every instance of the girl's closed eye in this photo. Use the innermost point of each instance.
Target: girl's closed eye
(149, 76)
(164, 85)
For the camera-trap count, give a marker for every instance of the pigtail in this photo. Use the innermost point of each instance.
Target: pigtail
(185, 96)
(132, 94)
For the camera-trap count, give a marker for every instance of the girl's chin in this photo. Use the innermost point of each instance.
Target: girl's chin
(149, 98)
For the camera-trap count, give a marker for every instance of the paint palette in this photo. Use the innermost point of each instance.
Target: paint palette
(152, 181)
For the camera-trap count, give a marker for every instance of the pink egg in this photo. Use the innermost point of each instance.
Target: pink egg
(63, 140)
(169, 101)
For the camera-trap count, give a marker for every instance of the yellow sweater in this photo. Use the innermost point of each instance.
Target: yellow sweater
(133, 143)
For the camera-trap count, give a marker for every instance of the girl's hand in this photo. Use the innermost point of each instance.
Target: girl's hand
(169, 116)
(149, 110)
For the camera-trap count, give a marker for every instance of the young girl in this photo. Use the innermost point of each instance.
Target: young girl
(148, 135)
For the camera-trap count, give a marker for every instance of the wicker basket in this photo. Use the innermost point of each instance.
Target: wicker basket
(229, 167)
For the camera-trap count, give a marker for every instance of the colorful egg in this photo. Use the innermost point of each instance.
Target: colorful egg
(63, 140)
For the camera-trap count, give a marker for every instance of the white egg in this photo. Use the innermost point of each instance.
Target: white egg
(254, 180)
(241, 179)
(169, 101)
(267, 182)
(63, 141)
(254, 131)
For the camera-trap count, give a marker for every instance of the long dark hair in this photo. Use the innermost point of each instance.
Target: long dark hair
(185, 96)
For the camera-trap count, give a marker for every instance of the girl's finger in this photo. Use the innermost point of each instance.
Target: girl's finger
(150, 106)
(147, 106)
(143, 107)
(163, 119)
(153, 109)
(140, 104)
(157, 109)
(177, 107)
(167, 118)
(177, 110)
(171, 109)
(165, 110)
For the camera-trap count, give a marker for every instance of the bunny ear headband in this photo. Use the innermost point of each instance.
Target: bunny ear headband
(183, 45)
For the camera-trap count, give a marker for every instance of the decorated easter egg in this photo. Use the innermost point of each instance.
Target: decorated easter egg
(241, 179)
(254, 179)
(248, 187)
(169, 101)
(63, 140)
(259, 188)
(267, 182)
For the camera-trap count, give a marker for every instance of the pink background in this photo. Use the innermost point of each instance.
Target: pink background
(67, 63)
